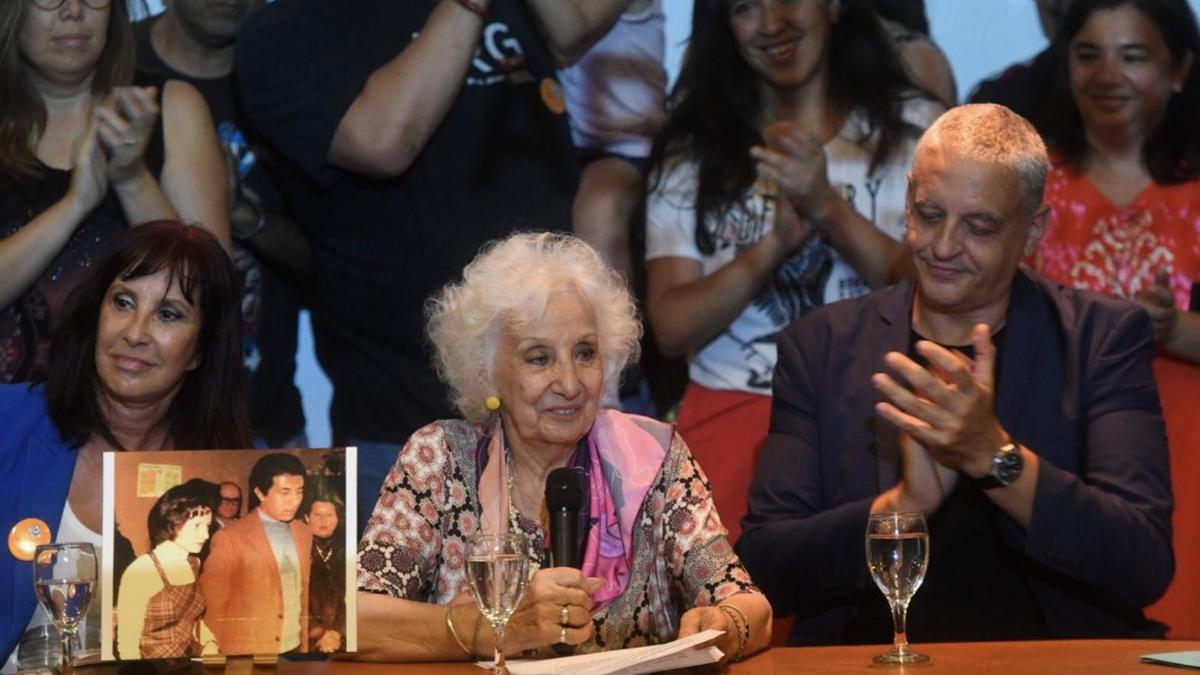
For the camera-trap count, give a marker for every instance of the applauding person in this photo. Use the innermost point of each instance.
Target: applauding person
(82, 156)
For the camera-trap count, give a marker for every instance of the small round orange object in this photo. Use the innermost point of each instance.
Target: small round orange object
(552, 96)
(26, 536)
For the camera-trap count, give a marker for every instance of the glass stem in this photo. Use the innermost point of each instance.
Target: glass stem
(67, 638)
(500, 666)
(899, 624)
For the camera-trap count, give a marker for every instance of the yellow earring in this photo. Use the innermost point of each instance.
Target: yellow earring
(492, 403)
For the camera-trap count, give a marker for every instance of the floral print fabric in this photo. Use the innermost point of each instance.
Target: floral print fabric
(413, 546)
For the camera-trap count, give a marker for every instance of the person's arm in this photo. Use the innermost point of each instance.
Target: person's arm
(707, 569)
(572, 26)
(929, 69)
(794, 159)
(125, 123)
(193, 173)
(686, 308)
(27, 253)
(1184, 339)
(1111, 526)
(139, 583)
(272, 235)
(799, 544)
(405, 100)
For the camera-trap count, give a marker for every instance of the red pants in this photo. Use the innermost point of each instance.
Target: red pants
(725, 431)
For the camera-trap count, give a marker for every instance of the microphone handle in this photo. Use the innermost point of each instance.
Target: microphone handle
(564, 525)
(564, 530)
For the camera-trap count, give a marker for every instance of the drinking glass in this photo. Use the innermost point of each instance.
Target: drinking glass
(64, 579)
(497, 572)
(897, 556)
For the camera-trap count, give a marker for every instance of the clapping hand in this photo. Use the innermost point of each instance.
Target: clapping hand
(124, 123)
(1158, 300)
(950, 411)
(89, 182)
(794, 159)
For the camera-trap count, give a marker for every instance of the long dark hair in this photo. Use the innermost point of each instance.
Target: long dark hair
(716, 104)
(209, 410)
(176, 506)
(23, 113)
(1172, 151)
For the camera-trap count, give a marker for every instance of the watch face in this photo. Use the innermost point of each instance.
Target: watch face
(1007, 467)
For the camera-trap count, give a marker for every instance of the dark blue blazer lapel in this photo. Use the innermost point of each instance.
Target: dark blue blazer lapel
(895, 318)
(1027, 360)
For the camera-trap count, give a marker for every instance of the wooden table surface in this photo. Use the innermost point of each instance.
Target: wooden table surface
(1064, 657)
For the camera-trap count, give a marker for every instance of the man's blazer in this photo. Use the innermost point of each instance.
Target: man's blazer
(242, 591)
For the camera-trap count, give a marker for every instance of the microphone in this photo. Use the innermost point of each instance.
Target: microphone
(564, 497)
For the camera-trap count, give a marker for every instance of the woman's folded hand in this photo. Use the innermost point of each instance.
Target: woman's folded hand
(539, 620)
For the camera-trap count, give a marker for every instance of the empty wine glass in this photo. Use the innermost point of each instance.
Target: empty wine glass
(897, 556)
(497, 572)
(64, 578)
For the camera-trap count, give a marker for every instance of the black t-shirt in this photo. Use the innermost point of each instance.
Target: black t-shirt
(976, 587)
(499, 162)
(1022, 87)
(270, 306)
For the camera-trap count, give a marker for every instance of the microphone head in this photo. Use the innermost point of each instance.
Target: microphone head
(564, 489)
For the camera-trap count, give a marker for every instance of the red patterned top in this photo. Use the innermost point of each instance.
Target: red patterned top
(413, 544)
(1091, 243)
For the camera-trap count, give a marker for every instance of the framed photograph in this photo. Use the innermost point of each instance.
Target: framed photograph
(228, 552)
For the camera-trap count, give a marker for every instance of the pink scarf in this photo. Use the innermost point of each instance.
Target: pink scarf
(625, 454)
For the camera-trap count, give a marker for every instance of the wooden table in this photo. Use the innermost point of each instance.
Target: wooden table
(1063, 657)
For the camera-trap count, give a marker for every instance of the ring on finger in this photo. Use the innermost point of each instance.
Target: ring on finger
(563, 616)
(562, 635)
(128, 141)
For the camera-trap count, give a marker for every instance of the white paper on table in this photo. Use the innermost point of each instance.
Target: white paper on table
(683, 653)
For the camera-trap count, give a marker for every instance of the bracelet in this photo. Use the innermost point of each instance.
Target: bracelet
(743, 628)
(475, 635)
(454, 634)
(474, 8)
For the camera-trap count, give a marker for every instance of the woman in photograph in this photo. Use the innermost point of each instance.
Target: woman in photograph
(160, 609)
(324, 509)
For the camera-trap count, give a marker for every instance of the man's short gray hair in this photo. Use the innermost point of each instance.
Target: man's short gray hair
(509, 283)
(992, 133)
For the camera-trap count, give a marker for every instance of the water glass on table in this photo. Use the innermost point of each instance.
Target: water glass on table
(897, 556)
(64, 578)
(497, 573)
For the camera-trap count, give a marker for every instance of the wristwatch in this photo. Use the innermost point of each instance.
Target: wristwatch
(1007, 465)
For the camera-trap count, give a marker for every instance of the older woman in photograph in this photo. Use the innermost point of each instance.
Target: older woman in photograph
(324, 511)
(160, 608)
(147, 357)
(526, 342)
(83, 156)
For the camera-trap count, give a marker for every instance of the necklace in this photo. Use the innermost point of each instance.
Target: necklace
(323, 553)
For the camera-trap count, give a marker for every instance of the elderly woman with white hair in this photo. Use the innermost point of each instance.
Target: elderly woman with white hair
(526, 341)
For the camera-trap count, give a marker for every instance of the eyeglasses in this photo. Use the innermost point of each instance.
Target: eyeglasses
(51, 5)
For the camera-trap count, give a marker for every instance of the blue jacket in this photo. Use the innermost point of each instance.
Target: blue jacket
(35, 473)
(1075, 387)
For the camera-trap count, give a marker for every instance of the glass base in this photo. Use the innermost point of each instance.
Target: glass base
(902, 656)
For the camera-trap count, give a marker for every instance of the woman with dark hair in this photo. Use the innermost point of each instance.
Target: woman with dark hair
(147, 357)
(1124, 132)
(82, 156)
(324, 511)
(160, 608)
(777, 185)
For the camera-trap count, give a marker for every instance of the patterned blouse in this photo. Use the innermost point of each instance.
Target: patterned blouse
(413, 546)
